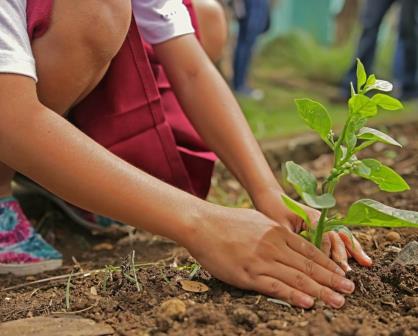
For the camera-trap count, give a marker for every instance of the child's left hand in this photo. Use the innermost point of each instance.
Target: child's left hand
(338, 245)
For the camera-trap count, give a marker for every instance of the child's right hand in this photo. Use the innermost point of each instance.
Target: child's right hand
(247, 249)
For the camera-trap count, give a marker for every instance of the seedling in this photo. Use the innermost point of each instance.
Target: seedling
(354, 138)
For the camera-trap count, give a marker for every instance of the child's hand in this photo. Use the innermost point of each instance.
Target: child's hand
(247, 249)
(338, 245)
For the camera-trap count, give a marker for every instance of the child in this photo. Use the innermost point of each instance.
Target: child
(70, 59)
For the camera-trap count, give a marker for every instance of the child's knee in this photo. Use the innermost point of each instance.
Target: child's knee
(213, 26)
(108, 22)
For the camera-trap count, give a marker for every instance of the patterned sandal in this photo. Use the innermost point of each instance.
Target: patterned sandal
(22, 250)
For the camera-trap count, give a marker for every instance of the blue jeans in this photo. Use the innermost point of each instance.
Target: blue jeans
(405, 63)
(251, 27)
(371, 19)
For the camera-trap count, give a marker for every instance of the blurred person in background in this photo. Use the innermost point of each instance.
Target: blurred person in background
(253, 19)
(406, 56)
(405, 63)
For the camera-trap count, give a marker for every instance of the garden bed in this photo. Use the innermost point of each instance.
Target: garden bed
(385, 301)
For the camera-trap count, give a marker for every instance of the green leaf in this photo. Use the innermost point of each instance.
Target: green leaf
(363, 170)
(354, 124)
(340, 153)
(300, 178)
(315, 116)
(372, 213)
(306, 235)
(371, 134)
(387, 102)
(361, 75)
(381, 85)
(325, 201)
(386, 178)
(297, 210)
(362, 106)
(370, 81)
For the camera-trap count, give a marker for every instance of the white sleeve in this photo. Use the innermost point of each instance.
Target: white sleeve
(15, 50)
(161, 20)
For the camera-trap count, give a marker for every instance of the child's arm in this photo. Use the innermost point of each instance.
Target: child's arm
(241, 247)
(212, 109)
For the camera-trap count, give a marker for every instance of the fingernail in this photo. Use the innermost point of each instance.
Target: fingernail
(337, 301)
(369, 260)
(346, 267)
(306, 302)
(347, 286)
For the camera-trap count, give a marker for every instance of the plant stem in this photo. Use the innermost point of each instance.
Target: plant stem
(319, 232)
(317, 238)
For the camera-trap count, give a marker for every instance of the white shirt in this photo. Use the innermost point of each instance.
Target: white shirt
(157, 20)
(161, 20)
(15, 50)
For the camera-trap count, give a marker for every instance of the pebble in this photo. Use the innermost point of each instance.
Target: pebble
(163, 324)
(174, 309)
(410, 302)
(408, 255)
(245, 317)
(393, 236)
(275, 325)
(328, 315)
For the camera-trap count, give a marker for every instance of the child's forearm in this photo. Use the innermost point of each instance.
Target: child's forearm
(213, 110)
(44, 146)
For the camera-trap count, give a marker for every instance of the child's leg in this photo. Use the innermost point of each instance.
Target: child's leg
(6, 176)
(74, 54)
(213, 27)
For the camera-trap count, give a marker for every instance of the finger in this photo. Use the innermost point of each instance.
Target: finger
(326, 245)
(308, 250)
(338, 251)
(305, 284)
(316, 272)
(277, 289)
(314, 216)
(355, 249)
(289, 226)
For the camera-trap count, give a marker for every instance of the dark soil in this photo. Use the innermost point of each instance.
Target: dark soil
(385, 301)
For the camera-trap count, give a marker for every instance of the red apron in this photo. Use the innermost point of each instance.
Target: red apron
(133, 112)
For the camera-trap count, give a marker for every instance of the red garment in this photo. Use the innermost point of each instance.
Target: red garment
(133, 112)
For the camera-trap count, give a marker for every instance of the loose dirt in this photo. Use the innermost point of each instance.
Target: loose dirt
(385, 301)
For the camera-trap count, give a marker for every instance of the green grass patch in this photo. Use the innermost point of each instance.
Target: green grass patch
(296, 66)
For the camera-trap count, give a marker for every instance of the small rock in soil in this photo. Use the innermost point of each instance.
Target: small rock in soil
(48, 326)
(173, 309)
(408, 255)
(245, 317)
(328, 315)
(410, 302)
(393, 236)
(275, 325)
(164, 323)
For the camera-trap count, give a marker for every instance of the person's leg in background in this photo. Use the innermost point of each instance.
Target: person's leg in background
(405, 61)
(251, 26)
(371, 19)
(71, 58)
(213, 27)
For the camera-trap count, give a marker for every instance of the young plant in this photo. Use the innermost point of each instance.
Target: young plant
(354, 138)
